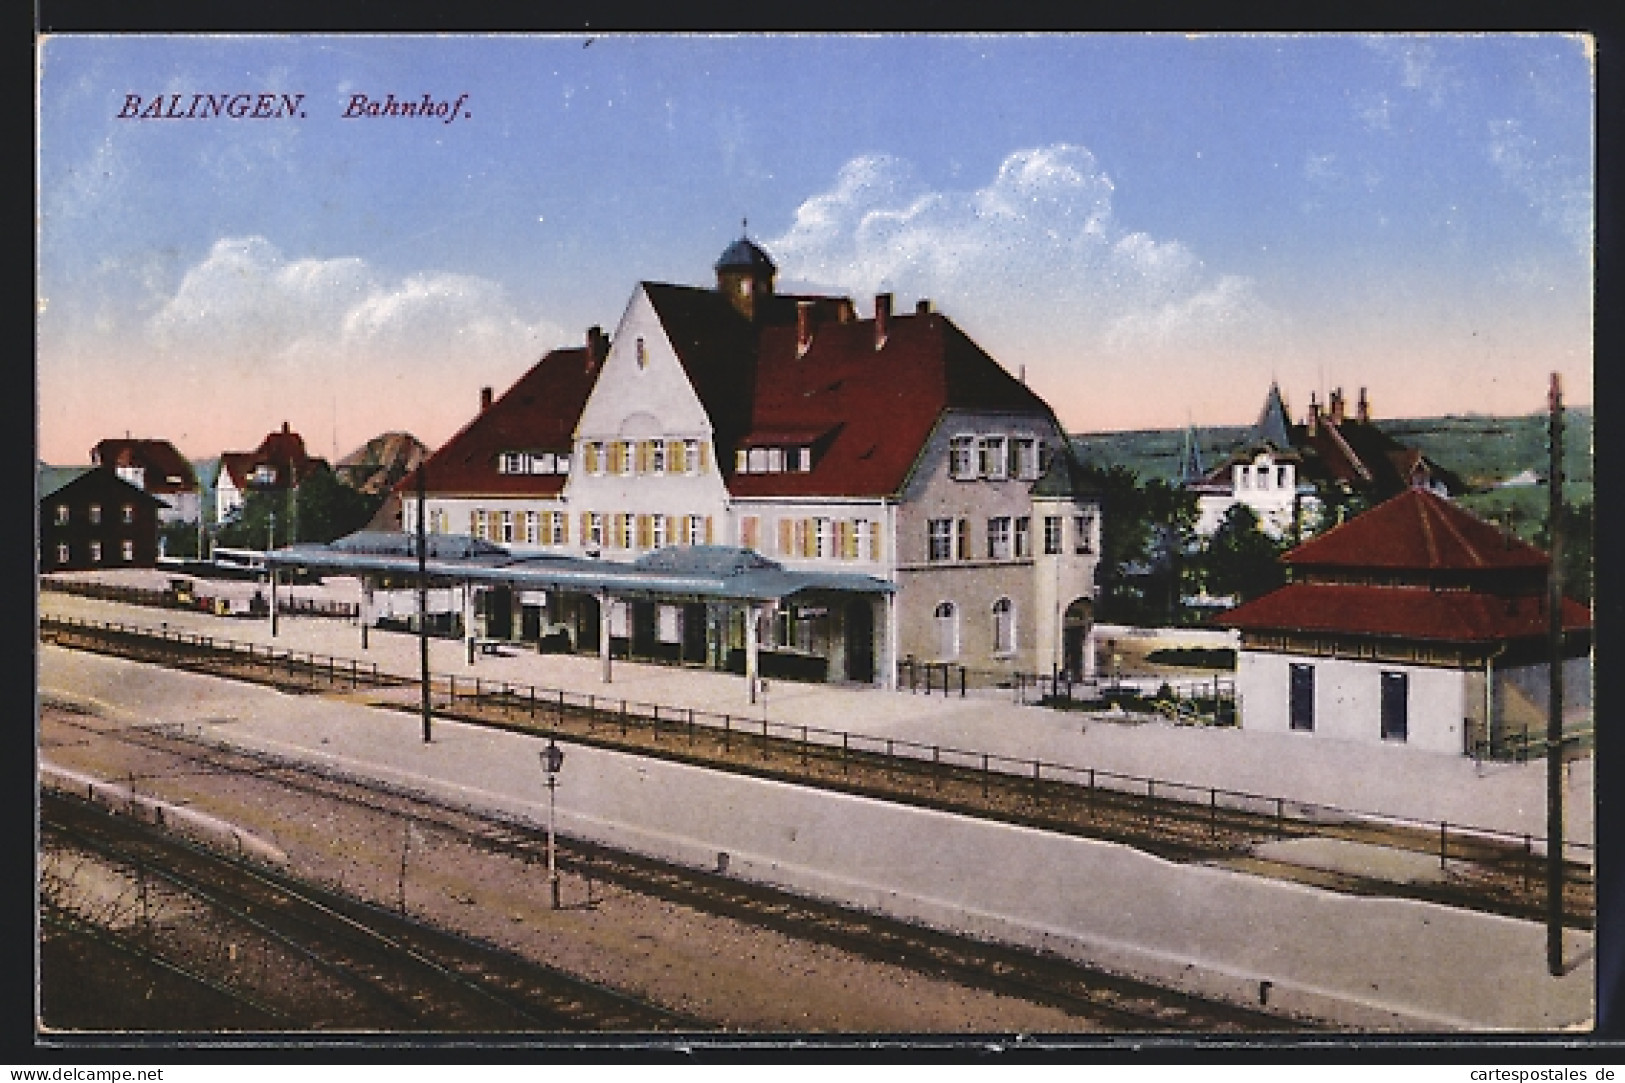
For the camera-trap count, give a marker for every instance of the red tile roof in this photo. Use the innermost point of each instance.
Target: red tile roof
(284, 450)
(167, 470)
(882, 405)
(1456, 616)
(1417, 531)
(538, 413)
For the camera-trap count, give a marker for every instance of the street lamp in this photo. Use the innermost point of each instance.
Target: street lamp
(552, 759)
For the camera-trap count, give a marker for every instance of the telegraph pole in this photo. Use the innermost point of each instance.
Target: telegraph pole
(423, 596)
(1554, 718)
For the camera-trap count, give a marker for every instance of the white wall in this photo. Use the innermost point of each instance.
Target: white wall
(1348, 699)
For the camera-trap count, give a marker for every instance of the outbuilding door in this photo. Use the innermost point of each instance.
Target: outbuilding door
(1395, 706)
(860, 641)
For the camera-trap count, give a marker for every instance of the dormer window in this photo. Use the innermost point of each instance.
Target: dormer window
(995, 457)
(1027, 458)
(265, 474)
(511, 462)
(962, 457)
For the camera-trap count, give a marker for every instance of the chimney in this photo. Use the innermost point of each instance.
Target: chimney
(1362, 412)
(804, 327)
(485, 399)
(848, 312)
(284, 428)
(597, 347)
(882, 318)
(922, 307)
(1337, 406)
(1312, 422)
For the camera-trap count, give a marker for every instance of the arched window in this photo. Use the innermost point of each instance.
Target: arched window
(947, 618)
(1004, 626)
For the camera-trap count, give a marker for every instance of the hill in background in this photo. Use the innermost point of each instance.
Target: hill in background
(1502, 459)
(377, 465)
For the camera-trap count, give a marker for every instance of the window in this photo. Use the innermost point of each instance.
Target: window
(1280, 477)
(61, 515)
(265, 474)
(1026, 458)
(561, 463)
(657, 456)
(1244, 477)
(95, 552)
(95, 513)
(998, 538)
(595, 529)
(962, 457)
(803, 459)
(657, 532)
(127, 550)
(128, 513)
(947, 621)
(643, 353)
(775, 460)
(693, 457)
(533, 532)
(995, 457)
(1004, 626)
(1052, 535)
(1024, 537)
(62, 553)
(511, 462)
(756, 462)
(822, 540)
(507, 527)
(1395, 706)
(962, 539)
(476, 523)
(1085, 526)
(941, 540)
(1301, 707)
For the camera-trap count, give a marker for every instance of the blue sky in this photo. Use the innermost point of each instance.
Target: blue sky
(1152, 226)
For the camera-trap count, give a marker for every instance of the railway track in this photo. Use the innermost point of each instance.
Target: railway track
(1111, 1001)
(1486, 874)
(365, 968)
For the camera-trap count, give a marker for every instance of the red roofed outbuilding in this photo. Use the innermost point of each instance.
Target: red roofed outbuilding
(1417, 623)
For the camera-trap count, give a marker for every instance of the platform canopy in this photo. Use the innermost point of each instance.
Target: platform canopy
(698, 572)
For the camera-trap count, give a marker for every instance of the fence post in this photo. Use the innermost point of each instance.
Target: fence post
(844, 769)
(936, 768)
(984, 775)
(655, 729)
(961, 682)
(1443, 843)
(764, 738)
(1213, 812)
(1280, 818)
(691, 725)
(727, 732)
(803, 746)
(623, 718)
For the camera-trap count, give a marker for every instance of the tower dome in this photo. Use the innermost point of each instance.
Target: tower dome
(745, 273)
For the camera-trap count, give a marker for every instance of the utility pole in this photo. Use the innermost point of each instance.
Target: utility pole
(1554, 718)
(423, 596)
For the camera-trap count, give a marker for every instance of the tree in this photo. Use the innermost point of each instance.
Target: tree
(321, 509)
(1146, 538)
(1575, 561)
(1241, 559)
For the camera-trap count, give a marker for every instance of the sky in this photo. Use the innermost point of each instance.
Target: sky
(1150, 227)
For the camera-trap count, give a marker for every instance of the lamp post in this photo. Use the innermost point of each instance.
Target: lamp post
(552, 760)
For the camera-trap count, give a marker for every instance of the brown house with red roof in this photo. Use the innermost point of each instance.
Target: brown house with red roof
(277, 465)
(156, 467)
(1414, 623)
(892, 448)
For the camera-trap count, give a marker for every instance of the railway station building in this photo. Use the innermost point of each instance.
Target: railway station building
(923, 502)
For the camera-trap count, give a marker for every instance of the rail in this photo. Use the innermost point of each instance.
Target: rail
(1290, 817)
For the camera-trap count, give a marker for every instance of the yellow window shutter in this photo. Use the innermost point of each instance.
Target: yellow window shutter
(809, 538)
(705, 456)
(645, 532)
(786, 527)
(708, 533)
(874, 542)
(564, 528)
(586, 525)
(844, 528)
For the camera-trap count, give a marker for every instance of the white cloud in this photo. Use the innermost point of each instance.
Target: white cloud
(1036, 248)
(246, 301)
(1555, 185)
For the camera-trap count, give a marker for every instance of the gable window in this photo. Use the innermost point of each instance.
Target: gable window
(998, 538)
(693, 458)
(1026, 458)
(1395, 706)
(61, 515)
(1301, 696)
(941, 539)
(962, 457)
(1280, 477)
(1052, 535)
(1084, 525)
(1004, 626)
(995, 457)
(643, 353)
(1024, 537)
